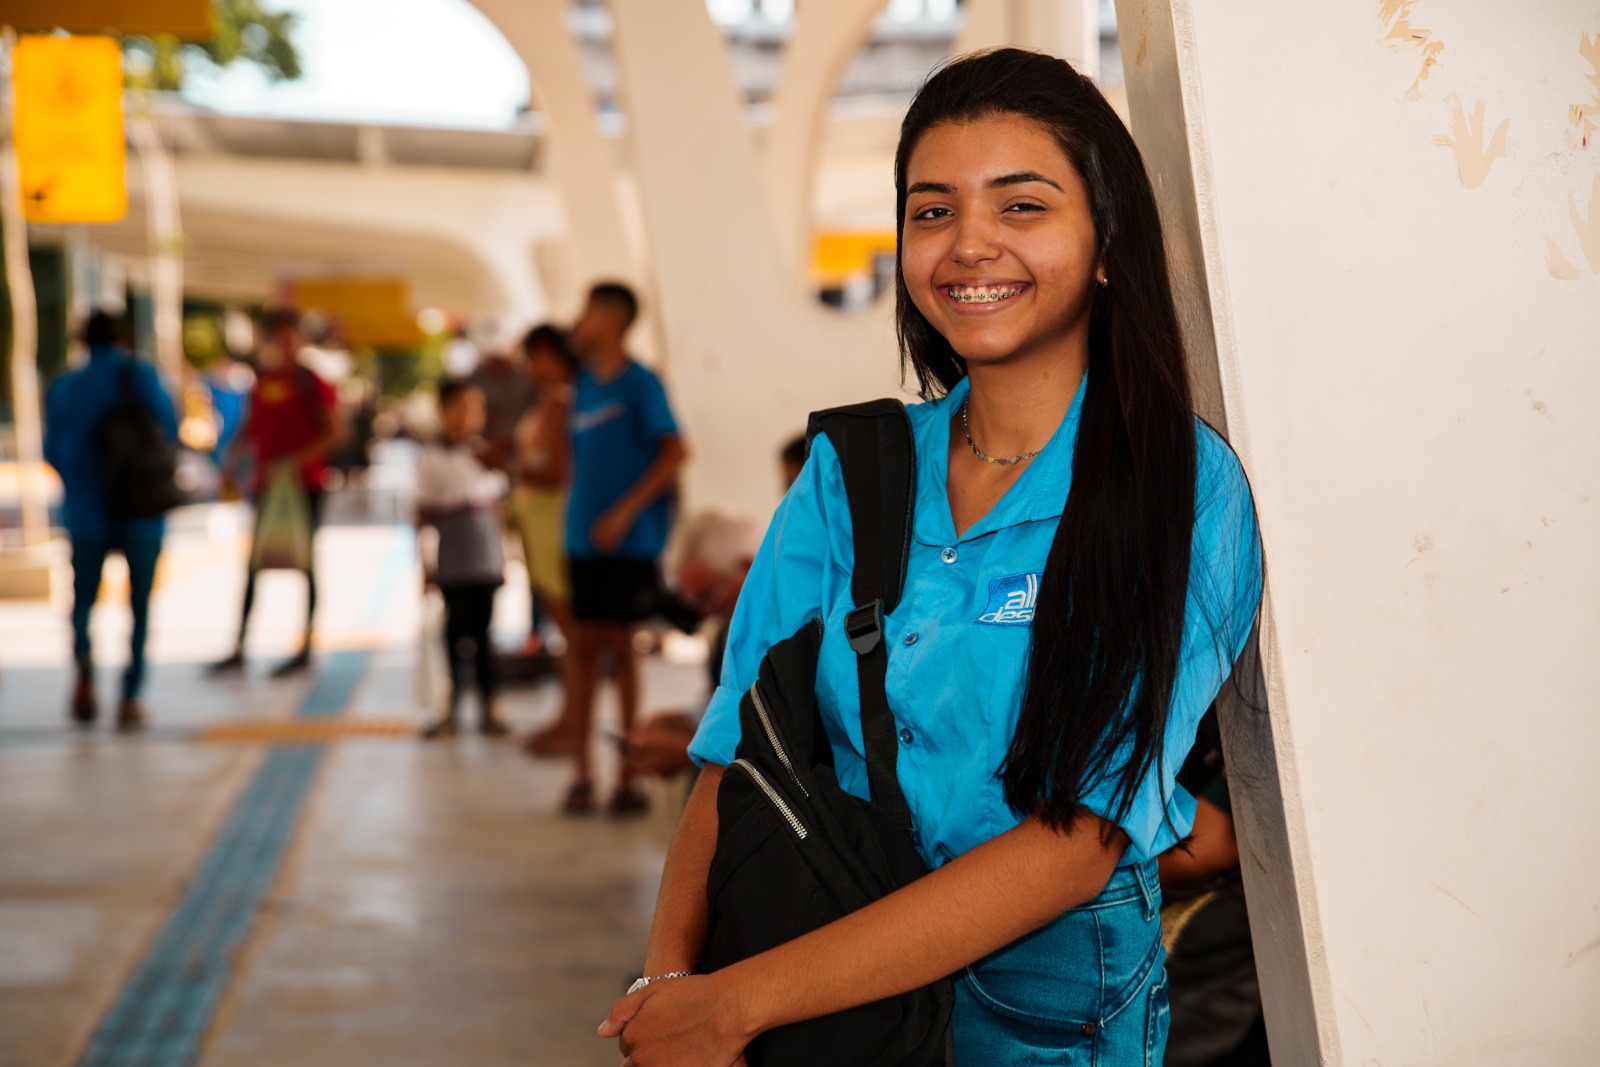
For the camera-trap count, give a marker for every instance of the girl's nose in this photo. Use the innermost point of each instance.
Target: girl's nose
(975, 241)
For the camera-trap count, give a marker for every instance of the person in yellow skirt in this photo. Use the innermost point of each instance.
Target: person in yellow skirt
(538, 505)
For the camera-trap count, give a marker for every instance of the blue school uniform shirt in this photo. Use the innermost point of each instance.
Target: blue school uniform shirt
(616, 427)
(73, 410)
(958, 640)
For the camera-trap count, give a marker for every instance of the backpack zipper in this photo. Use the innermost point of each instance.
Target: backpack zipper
(772, 795)
(772, 738)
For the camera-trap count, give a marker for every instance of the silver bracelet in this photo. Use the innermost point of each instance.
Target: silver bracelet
(642, 982)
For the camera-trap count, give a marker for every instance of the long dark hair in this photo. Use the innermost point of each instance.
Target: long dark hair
(1107, 637)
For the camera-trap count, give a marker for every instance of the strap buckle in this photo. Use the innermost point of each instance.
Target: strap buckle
(863, 627)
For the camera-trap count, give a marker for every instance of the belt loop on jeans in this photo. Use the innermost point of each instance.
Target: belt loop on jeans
(1144, 874)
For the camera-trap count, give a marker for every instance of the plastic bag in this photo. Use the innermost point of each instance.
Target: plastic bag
(283, 525)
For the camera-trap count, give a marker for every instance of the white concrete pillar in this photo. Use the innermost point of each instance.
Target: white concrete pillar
(1394, 291)
(1066, 28)
(582, 164)
(749, 353)
(827, 34)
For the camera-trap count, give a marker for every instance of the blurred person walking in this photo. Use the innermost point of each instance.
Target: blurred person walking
(289, 432)
(459, 497)
(110, 429)
(626, 455)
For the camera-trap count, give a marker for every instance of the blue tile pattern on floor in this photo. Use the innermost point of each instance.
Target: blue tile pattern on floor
(165, 1008)
(162, 1013)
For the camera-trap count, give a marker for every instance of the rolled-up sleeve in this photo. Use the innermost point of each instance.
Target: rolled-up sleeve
(782, 592)
(1224, 593)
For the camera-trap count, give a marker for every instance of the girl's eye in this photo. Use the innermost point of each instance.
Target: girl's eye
(929, 213)
(1022, 208)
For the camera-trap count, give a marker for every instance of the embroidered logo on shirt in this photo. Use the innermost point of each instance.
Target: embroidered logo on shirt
(1012, 599)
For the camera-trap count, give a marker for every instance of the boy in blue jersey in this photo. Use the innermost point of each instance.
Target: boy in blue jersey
(626, 455)
(76, 406)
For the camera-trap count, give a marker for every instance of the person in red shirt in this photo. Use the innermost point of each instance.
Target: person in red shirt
(292, 419)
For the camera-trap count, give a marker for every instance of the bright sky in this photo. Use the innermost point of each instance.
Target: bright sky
(427, 62)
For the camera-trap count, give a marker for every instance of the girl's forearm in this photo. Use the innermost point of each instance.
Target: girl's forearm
(678, 933)
(968, 908)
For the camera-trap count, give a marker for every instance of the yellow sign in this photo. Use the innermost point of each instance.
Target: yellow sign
(367, 312)
(181, 18)
(68, 129)
(837, 256)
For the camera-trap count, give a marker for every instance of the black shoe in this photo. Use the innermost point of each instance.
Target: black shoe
(130, 715)
(232, 665)
(299, 663)
(84, 706)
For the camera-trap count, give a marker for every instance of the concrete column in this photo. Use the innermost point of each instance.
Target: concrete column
(749, 353)
(1066, 28)
(827, 33)
(1392, 293)
(582, 164)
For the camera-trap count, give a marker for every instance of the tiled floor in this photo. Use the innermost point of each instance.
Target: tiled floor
(430, 907)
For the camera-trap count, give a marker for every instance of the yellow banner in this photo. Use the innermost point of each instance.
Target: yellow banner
(367, 312)
(190, 19)
(837, 256)
(70, 146)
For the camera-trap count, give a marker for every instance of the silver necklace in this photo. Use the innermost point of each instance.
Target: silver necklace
(990, 459)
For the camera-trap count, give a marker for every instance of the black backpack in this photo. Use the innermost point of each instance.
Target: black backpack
(794, 851)
(138, 465)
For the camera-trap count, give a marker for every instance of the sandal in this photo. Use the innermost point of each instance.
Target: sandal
(553, 742)
(627, 802)
(580, 799)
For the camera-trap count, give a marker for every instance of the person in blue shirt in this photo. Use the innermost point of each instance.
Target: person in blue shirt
(626, 455)
(1084, 568)
(74, 408)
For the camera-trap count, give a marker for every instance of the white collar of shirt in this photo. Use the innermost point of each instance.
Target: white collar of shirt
(1039, 494)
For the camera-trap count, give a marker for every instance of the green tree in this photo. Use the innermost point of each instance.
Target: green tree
(244, 31)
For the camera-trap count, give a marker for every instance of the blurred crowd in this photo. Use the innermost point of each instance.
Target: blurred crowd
(561, 449)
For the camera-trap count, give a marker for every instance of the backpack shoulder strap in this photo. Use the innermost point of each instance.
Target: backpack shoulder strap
(878, 457)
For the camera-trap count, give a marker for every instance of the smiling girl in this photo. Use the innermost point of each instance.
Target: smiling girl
(1084, 569)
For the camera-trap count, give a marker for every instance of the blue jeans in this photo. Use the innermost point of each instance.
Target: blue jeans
(88, 560)
(1088, 990)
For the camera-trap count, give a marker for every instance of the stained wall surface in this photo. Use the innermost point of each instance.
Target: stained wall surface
(1390, 216)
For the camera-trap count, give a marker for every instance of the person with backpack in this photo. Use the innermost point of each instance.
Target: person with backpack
(110, 433)
(1007, 645)
(291, 426)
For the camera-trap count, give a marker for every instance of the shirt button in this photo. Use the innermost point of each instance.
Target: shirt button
(906, 737)
(909, 639)
(948, 555)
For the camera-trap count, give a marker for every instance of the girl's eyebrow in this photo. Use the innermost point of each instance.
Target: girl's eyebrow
(1022, 178)
(1019, 178)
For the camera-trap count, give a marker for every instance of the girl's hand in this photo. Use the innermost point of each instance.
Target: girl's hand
(681, 1022)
